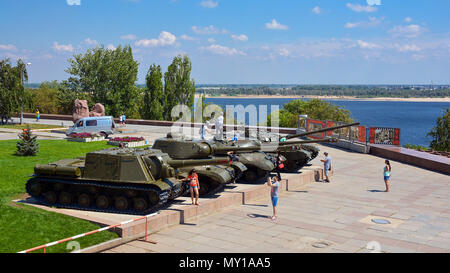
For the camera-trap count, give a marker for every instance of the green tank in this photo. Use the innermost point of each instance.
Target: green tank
(252, 163)
(120, 180)
(297, 154)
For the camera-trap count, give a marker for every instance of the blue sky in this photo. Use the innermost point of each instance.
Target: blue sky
(246, 41)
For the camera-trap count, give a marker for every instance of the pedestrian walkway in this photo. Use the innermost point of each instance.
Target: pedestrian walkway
(327, 217)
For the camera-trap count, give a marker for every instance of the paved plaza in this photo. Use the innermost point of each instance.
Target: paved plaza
(321, 217)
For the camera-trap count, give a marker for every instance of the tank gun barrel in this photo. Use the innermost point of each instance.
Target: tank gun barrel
(321, 130)
(307, 141)
(179, 163)
(221, 150)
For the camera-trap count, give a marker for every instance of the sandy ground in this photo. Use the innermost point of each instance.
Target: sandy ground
(446, 99)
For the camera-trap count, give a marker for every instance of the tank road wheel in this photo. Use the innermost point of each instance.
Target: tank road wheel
(250, 176)
(102, 202)
(84, 200)
(140, 204)
(261, 173)
(34, 188)
(204, 189)
(153, 198)
(51, 197)
(121, 203)
(65, 198)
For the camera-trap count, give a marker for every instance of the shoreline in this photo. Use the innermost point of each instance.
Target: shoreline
(350, 98)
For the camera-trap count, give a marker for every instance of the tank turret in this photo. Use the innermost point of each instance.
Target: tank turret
(114, 180)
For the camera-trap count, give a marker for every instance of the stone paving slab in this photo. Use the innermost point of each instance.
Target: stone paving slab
(331, 212)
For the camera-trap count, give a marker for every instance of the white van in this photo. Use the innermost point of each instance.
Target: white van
(103, 125)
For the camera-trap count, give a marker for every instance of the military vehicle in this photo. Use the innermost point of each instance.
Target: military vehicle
(258, 159)
(297, 154)
(124, 180)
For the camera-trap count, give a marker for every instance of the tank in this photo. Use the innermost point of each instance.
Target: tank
(297, 154)
(120, 180)
(253, 164)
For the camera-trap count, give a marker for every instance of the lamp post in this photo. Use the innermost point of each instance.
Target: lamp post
(21, 100)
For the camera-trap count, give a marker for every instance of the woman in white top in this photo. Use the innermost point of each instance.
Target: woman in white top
(387, 174)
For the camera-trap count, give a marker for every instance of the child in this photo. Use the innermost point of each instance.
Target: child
(194, 186)
(274, 194)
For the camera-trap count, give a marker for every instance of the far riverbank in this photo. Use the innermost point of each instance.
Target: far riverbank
(446, 99)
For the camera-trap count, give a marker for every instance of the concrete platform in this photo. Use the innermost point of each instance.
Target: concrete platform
(181, 210)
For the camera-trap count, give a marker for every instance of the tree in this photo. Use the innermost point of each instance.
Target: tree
(179, 88)
(315, 109)
(441, 133)
(45, 98)
(153, 101)
(27, 144)
(106, 76)
(12, 95)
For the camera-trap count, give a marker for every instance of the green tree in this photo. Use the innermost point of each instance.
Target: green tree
(106, 76)
(179, 88)
(13, 93)
(45, 98)
(27, 144)
(153, 100)
(315, 109)
(441, 133)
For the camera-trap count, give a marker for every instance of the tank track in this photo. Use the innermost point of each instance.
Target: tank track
(164, 196)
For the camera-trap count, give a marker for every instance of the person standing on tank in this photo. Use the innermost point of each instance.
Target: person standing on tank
(274, 185)
(219, 127)
(387, 174)
(326, 166)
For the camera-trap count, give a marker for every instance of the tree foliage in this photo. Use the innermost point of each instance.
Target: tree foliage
(153, 100)
(441, 133)
(179, 88)
(315, 109)
(12, 91)
(105, 76)
(27, 144)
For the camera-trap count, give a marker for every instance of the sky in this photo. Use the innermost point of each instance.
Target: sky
(240, 41)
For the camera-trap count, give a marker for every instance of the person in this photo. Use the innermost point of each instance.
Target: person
(124, 119)
(203, 131)
(280, 165)
(387, 173)
(275, 185)
(235, 137)
(233, 156)
(194, 185)
(37, 115)
(121, 120)
(326, 166)
(219, 127)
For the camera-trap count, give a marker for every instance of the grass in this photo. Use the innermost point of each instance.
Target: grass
(23, 226)
(32, 126)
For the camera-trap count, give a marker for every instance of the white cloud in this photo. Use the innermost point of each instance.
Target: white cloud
(374, 2)
(208, 30)
(165, 39)
(407, 48)
(209, 4)
(128, 37)
(275, 25)
(8, 47)
(211, 40)
(373, 22)
(408, 19)
(89, 41)
(62, 48)
(316, 10)
(110, 47)
(241, 38)
(186, 37)
(409, 31)
(361, 8)
(284, 52)
(73, 2)
(223, 50)
(367, 45)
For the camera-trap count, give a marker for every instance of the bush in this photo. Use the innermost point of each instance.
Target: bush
(441, 133)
